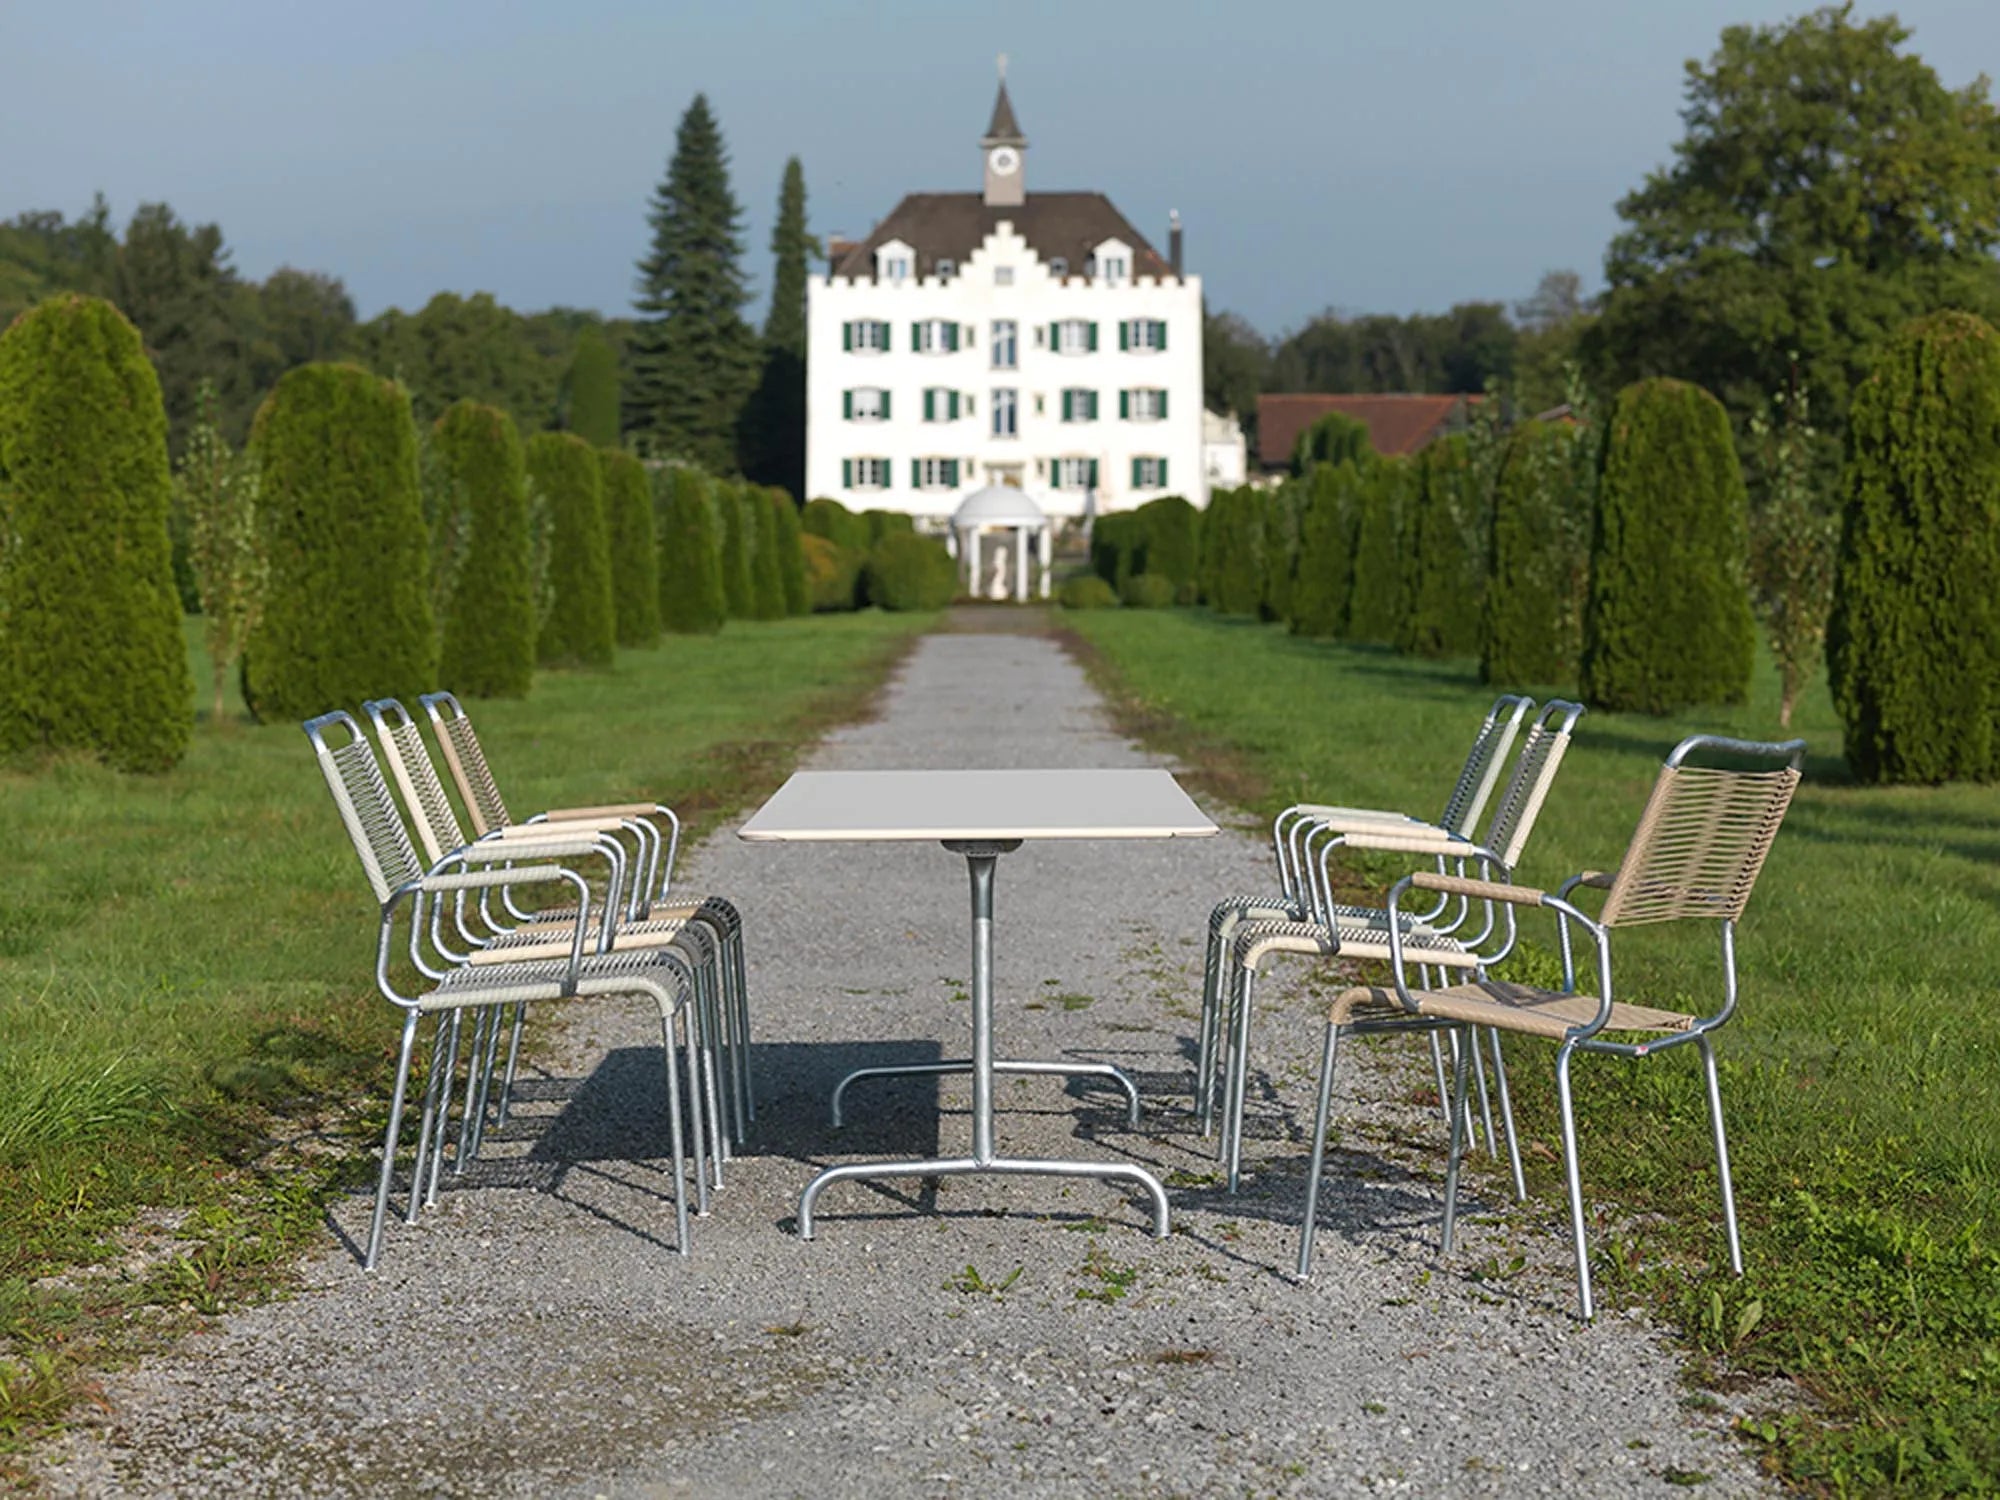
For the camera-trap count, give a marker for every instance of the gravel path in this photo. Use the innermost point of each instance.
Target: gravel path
(535, 1336)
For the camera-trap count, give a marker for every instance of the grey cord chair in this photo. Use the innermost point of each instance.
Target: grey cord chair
(1699, 847)
(1476, 780)
(414, 896)
(466, 760)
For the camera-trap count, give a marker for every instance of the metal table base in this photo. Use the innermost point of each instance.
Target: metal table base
(980, 859)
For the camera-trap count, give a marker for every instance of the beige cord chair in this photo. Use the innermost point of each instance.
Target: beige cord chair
(1699, 847)
(466, 760)
(452, 985)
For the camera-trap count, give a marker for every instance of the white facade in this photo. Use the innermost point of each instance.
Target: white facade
(1225, 454)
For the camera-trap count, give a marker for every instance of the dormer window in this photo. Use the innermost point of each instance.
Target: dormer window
(1113, 268)
(895, 261)
(1112, 261)
(946, 266)
(1058, 265)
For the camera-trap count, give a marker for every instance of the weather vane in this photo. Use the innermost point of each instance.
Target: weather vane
(1003, 67)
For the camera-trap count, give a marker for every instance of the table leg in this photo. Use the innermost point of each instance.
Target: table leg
(1109, 1071)
(980, 860)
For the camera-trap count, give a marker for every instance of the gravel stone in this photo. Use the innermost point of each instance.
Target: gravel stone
(535, 1334)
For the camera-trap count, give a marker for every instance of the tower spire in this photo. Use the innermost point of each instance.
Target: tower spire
(1003, 129)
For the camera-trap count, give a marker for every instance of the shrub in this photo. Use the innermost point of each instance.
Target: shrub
(1173, 540)
(1086, 591)
(582, 627)
(1279, 511)
(1335, 438)
(1531, 624)
(1914, 642)
(791, 560)
(590, 391)
(1118, 547)
(833, 572)
(881, 523)
(1444, 555)
(1236, 550)
(1668, 622)
(347, 611)
(1147, 591)
(739, 546)
(1325, 574)
(691, 598)
(907, 571)
(1375, 603)
(635, 550)
(215, 496)
(835, 522)
(489, 628)
(91, 655)
(767, 569)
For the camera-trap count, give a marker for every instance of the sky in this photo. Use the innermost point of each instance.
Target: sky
(1370, 158)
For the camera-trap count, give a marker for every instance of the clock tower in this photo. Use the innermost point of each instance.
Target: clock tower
(1005, 148)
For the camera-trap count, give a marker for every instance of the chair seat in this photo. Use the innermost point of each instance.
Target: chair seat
(1364, 936)
(1516, 1007)
(527, 946)
(507, 983)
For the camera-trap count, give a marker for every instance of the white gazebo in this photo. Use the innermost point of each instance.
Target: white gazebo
(1002, 507)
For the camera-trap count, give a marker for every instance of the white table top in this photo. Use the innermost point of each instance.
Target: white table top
(978, 806)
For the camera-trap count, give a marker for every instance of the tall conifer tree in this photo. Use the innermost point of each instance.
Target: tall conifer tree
(774, 422)
(694, 359)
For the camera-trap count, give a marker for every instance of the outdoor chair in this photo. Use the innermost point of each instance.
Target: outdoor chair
(699, 934)
(1696, 854)
(466, 760)
(449, 984)
(1377, 933)
(1469, 794)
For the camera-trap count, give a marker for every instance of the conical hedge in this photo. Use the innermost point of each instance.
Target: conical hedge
(1325, 575)
(1913, 647)
(1531, 629)
(635, 551)
(791, 558)
(767, 569)
(91, 654)
(347, 609)
(739, 548)
(1375, 602)
(835, 522)
(1173, 543)
(1668, 621)
(1236, 549)
(1444, 558)
(488, 648)
(590, 390)
(581, 630)
(691, 601)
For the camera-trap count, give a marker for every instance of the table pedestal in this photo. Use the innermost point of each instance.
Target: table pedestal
(980, 859)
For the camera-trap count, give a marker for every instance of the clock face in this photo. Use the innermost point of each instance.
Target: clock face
(1005, 161)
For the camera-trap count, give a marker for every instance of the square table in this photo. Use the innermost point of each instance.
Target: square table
(981, 815)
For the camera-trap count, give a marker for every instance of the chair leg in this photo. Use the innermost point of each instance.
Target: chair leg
(1485, 1101)
(1320, 1123)
(1507, 1116)
(692, 1104)
(464, 1157)
(444, 1109)
(1437, 1069)
(1575, 1176)
(1721, 1154)
(743, 1021)
(1238, 1081)
(710, 1026)
(674, 1131)
(389, 1144)
(513, 1059)
(1220, 924)
(435, 1089)
(485, 1065)
(1460, 1119)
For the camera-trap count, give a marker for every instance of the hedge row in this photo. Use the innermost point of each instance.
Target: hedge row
(872, 557)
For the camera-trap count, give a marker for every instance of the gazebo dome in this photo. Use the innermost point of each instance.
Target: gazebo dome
(998, 505)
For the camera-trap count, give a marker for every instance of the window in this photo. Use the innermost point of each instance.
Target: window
(1003, 275)
(1079, 406)
(934, 473)
(1143, 405)
(865, 403)
(1076, 474)
(864, 473)
(896, 268)
(1149, 473)
(940, 405)
(864, 337)
(1058, 265)
(946, 266)
(934, 336)
(1146, 335)
(1004, 355)
(1005, 404)
(1113, 268)
(1073, 336)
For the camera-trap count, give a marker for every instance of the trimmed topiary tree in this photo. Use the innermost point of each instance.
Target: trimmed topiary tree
(907, 571)
(1325, 573)
(739, 547)
(1236, 545)
(590, 390)
(1531, 626)
(1118, 547)
(635, 550)
(488, 633)
(1086, 591)
(1173, 543)
(691, 598)
(1913, 646)
(91, 655)
(835, 522)
(881, 523)
(1279, 511)
(1668, 620)
(791, 560)
(833, 573)
(1335, 438)
(767, 568)
(347, 612)
(1375, 602)
(581, 630)
(1444, 554)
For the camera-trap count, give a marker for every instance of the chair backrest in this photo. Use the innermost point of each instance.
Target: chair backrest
(416, 777)
(367, 807)
(1704, 834)
(1482, 765)
(1542, 751)
(467, 763)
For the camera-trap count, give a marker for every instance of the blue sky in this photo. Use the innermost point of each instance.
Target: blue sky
(1368, 157)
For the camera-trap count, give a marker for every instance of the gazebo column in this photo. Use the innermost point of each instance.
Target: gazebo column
(972, 556)
(1021, 564)
(1048, 553)
(951, 542)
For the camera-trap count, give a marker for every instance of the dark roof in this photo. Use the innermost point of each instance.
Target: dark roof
(1004, 127)
(1396, 424)
(952, 225)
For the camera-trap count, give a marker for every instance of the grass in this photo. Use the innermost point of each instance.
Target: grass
(194, 1053)
(1861, 1076)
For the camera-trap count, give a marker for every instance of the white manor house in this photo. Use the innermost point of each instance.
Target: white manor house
(1004, 337)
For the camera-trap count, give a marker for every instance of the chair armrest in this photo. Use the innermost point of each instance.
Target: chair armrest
(1478, 890)
(559, 842)
(1416, 839)
(1324, 812)
(554, 828)
(612, 811)
(1597, 880)
(465, 880)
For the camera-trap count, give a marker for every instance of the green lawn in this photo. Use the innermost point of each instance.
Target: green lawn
(1861, 1076)
(186, 966)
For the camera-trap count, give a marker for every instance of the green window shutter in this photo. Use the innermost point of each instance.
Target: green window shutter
(1160, 406)
(951, 405)
(916, 338)
(1160, 336)
(1090, 406)
(1124, 406)
(1163, 473)
(951, 472)
(930, 404)
(916, 473)
(1093, 474)
(951, 337)
(847, 405)
(1124, 335)
(1069, 412)
(1135, 473)
(847, 337)
(1090, 339)
(847, 473)
(885, 406)
(1055, 336)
